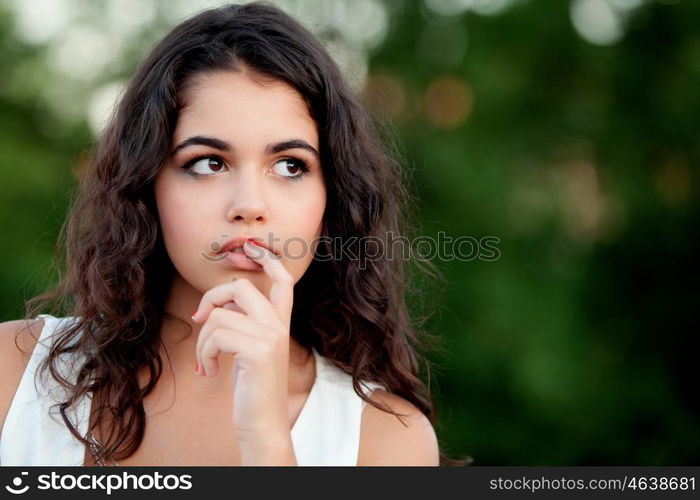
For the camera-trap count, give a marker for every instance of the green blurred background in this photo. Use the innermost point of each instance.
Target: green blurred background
(567, 129)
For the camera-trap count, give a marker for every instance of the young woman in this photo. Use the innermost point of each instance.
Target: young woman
(207, 316)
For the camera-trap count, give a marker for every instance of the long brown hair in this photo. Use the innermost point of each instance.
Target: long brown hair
(353, 311)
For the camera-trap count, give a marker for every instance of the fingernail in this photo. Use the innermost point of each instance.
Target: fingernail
(195, 313)
(267, 250)
(196, 368)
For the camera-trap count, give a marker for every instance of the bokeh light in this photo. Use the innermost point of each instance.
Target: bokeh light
(448, 101)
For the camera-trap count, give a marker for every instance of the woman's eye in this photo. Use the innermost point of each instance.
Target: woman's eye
(205, 166)
(289, 167)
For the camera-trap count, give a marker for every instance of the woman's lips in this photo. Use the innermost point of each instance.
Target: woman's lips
(237, 243)
(239, 260)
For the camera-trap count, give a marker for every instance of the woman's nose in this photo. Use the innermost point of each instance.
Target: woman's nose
(248, 197)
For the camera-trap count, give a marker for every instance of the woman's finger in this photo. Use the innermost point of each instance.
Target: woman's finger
(245, 295)
(282, 290)
(244, 348)
(224, 319)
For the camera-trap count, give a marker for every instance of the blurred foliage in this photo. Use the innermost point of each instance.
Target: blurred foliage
(578, 345)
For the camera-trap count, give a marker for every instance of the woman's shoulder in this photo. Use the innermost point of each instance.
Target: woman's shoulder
(384, 439)
(17, 341)
(18, 338)
(387, 440)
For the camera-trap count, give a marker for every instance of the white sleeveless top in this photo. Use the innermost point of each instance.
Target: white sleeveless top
(326, 432)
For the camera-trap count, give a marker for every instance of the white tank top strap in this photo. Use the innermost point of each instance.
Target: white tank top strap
(34, 432)
(327, 431)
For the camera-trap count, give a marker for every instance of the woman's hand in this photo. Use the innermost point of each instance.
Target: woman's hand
(258, 339)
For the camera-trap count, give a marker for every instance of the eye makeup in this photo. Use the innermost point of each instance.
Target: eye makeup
(192, 165)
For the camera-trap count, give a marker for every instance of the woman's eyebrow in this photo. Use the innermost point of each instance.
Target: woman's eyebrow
(291, 144)
(204, 141)
(215, 143)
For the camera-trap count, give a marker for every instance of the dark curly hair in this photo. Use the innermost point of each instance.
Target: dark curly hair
(354, 313)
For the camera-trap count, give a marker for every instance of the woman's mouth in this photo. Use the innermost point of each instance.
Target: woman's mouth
(238, 259)
(236, 244)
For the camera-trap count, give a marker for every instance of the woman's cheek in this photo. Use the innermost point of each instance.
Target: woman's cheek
(298, 252)
(179, 226)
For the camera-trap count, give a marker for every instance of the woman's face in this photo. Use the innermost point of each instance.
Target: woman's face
(249, 149)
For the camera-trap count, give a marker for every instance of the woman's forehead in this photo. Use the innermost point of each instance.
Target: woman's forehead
(233, 102)
(238, 87)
